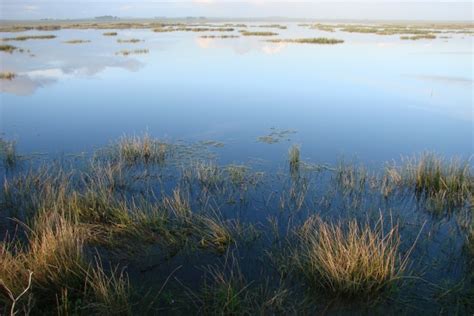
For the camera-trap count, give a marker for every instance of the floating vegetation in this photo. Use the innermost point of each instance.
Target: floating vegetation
(132, 52)
(319, 40)
(77, 41)
(249, 33)
(110, 34)
(276, 136)
(8, 48)
(132, 40)
(355, 261)
(213, 143)
(7, 75)
(418, 37)
(28, 37)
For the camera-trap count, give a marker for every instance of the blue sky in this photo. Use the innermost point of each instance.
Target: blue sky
(349, 9)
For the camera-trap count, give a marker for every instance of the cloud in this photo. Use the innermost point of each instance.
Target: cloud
(30, 8)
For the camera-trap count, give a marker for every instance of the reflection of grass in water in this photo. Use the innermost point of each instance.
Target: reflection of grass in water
(132, 52)
(418, 37)
(77, 41)
(249, 33)
(319, 40)
(7, 48)
(110, 34)
(7, 75)
(132, 40)
(28, 37)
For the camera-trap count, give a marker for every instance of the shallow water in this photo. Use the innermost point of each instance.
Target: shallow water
(372, 97)
(246, 101)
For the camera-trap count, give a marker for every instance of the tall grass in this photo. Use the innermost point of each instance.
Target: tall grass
(142, 149)
(8, 153)
(294, 159)
(444, 182)
(349, 260)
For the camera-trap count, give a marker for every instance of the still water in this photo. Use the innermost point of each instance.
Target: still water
(373, 97)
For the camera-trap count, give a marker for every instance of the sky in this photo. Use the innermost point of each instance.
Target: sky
(316, 9)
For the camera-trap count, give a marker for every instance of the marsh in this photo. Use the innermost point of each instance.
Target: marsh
(216, 167)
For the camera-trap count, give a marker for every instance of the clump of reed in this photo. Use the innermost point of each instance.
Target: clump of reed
(132, 40)
(77, 41)
(418, 37)
(28, 37)
(294, 159)
(250, 33)
(323, 27)
(8, 153)
(209, 175)
(7, 75)
(141, 149)
(132, 52)
(350, 260)
(110, 34)
(318, 40)
(448, 183)
(8, 48)
(275, 26)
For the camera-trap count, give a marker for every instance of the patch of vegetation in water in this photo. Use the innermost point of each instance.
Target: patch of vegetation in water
(318, 40)
(126, 52)
(276, 136)
(254, 33)
(274, 26)
(8, 48)
(132, 40)
(28, 37)
(110, 34)
(146, 226)
(418, 37)
(220, 36)
(7, 75)
(77, 41)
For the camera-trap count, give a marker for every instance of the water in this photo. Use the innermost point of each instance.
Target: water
(372, 97)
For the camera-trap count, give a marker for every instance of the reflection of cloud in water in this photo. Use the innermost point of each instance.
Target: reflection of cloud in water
(241, 46)
(444, 79)
(27, 82)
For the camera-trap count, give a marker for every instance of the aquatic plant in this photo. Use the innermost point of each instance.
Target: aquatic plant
(110, 34)
(418, 37)
(319, 40)
(294, 159)
(276, 26)
(8, 153)
(352, 260)
(141, 149)
(7, 75)
(446, 182)
(77, 41)
(132, 52)
(28, 37)
(132, 40)
(249, 33)
(8, 48)
(220, 36)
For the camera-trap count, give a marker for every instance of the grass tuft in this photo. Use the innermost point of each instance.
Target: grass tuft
(354, 260)
(318, 40)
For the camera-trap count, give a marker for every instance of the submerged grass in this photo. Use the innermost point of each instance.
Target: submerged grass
(354, 260)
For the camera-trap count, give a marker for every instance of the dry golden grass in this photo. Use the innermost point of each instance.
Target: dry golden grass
(349, 260)
(7, 75)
